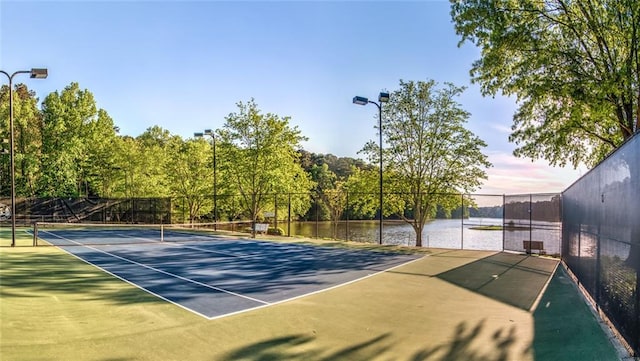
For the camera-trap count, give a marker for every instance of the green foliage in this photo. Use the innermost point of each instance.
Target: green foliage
(28, 138)
(276, 231)
(330, 174)
(331, 192)
(149, 177)
(70, 122)
(101, 158)
(72, 148)
(363, 192)
(341, 166)
(189, 173)
(259, 153)
(574, 67)
(429, 153)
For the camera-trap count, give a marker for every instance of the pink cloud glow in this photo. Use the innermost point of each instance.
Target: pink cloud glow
(511, 175)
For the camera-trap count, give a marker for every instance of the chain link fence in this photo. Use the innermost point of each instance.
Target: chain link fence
(456, 221)
(533, 223)
(98, 210)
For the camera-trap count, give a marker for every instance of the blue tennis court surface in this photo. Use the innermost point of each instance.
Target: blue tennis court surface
(215, 276)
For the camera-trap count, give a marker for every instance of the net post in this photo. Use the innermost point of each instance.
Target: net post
(35, 234)
(162, 233)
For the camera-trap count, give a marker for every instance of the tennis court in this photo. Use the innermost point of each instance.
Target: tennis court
(214, 276)
(444, 306)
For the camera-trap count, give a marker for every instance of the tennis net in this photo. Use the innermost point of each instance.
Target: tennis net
(82, 234)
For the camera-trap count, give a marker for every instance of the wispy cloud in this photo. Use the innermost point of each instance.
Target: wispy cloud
(500, 128)
(511, 175)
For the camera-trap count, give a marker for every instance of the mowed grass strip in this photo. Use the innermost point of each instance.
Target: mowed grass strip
(56, 307)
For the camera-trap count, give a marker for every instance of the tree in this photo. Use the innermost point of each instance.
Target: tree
(28, 139)
(64, 155)
(129, 162)
(100, 140)
(362, 188)
(258, 154)
(149, 178)
(330, 189)
(190, 175)
(574, 67)
(78, 142)
(429, 153)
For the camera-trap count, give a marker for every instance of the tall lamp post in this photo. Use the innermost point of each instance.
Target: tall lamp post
(210, 133)
(36, 73)
(382, 98)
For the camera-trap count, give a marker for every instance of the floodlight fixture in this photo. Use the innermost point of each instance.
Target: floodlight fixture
(198, 134)
(208, 132)
(39, 73)
(383, 97)
(360, 100)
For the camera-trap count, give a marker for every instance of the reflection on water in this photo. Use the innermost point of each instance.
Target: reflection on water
(439, 233)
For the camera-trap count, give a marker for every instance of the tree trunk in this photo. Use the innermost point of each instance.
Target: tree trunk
(417, 227)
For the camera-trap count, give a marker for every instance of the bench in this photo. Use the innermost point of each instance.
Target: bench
(261, 227)
(533, 246)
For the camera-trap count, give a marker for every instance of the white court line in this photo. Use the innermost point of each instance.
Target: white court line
(318, 291)
(161, 271)
(131, 283)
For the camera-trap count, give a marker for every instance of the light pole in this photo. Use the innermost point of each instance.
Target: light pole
(382, 98)
(36, 73)
(209, 132)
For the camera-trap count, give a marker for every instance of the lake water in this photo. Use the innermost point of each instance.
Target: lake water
(439, 233)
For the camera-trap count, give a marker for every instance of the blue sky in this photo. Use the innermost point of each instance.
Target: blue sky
(184, 66)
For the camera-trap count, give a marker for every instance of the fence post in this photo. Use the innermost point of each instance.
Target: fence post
(275, 211)
(317, 214)
(35, 234)
(289, 217)
(461, 221)
(530, 222)
(504, 220)
(347, 217)
(598, 268)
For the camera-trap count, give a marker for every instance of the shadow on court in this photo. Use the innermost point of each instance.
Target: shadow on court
(514, 279)
(32, 274)
(564, 327)
(462, 346)
(214, 278)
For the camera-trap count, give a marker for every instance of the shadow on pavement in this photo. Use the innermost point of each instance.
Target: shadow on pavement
(513, 279)
(463, 345)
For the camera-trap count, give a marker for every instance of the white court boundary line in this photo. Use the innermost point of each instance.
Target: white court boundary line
(263, 303)
(319, 291)
(155, 270)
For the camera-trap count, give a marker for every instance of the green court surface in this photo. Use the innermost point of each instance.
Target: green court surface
(565, 328)
(23, 238)
(510, 278)
(448, 305)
